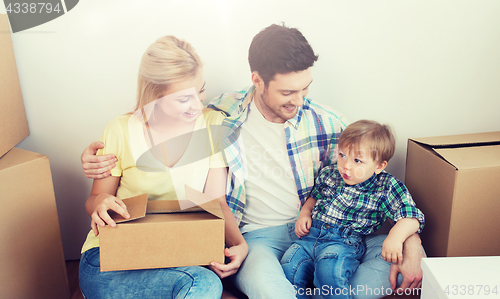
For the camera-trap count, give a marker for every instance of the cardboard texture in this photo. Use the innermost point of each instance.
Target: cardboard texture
(31, 252)
(460, 277)
(164, 237)
(13, 122)
(455, 181)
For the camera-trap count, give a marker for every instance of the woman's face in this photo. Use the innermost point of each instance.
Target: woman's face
(183, 100)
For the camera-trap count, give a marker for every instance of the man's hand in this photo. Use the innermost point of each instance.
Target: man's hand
(237, 255)
(410, 268)
(97, 167)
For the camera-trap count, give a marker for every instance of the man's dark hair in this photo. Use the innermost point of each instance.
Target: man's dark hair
(278, 49)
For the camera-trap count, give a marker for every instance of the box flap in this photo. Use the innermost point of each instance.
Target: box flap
(204, 201)
(136, 207)
(460, 140)
(139, 206)
(471, 157)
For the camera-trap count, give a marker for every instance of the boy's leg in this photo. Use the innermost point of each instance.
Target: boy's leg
(261, 276)
(371, 279)
(298, 266)
(335, 263)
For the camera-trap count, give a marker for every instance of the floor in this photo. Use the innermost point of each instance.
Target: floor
(72, 269)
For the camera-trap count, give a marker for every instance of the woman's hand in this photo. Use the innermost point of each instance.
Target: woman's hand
(100, 216)
(237, 255)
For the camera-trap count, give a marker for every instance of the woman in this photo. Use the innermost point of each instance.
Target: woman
(170, 92)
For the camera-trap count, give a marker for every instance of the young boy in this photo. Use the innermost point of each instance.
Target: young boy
(350, 199)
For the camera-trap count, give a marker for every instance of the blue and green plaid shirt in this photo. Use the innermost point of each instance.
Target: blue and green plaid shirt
(312, 137)
(363, 207)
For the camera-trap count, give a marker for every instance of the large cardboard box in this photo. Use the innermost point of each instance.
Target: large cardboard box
(455, 181)
(32, 261)
(460, 277)
(167, 236)
(13, 122)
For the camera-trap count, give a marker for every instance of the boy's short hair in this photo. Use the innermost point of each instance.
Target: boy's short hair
(278, 49)
(377, 137)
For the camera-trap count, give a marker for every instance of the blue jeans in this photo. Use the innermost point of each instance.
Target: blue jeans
(327, 257)
(180, 282)
(261, 275)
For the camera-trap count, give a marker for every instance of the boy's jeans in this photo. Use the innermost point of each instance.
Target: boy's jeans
(181, 282)
(261, 276)
(329, 254)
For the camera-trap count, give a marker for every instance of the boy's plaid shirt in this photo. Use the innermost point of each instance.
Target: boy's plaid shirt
(312, 137)
(363, 207)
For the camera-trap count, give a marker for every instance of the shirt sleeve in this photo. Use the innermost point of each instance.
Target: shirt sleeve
(214, 121)
(321, 183)
(399, 204)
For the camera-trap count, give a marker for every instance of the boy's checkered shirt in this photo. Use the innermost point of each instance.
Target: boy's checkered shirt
(363, 207)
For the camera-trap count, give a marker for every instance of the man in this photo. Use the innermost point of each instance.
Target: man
(280, 141)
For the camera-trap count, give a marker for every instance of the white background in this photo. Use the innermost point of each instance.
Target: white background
(427, 68)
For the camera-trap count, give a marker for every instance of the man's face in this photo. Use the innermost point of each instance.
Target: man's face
(280, 100)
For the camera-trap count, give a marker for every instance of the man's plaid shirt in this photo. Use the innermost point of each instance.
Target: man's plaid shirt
(363, 207)
(312, 137)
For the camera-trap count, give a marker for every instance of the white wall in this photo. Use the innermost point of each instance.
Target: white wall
(426, 67)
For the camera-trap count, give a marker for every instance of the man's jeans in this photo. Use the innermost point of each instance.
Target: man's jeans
(181, 282)
(261, 276)
(329, 254)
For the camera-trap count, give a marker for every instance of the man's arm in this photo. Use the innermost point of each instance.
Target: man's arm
(410, 268)
(97, 167)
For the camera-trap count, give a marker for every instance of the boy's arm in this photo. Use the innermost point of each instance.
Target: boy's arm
(392, 249)
(304, 222)
(410, 268)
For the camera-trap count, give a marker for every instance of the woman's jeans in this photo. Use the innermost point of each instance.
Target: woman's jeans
(179, 282)
(329, 255)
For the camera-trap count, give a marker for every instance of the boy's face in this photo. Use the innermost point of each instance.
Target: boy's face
(357, 165)
(281, 99)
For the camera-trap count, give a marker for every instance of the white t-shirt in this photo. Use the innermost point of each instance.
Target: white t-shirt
(271, 193)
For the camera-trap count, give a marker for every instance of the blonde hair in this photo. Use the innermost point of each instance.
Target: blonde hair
(376, 137)
(168, 60)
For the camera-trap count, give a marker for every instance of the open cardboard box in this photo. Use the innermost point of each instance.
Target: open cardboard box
(455, 181)
(159, 234)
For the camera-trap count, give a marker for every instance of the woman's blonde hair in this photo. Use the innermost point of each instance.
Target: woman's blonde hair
(168, 60)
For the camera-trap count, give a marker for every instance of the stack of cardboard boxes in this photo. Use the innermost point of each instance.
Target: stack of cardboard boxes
(32, 262)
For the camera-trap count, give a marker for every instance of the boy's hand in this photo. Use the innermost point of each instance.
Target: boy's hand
(302, 226)
(392, 250)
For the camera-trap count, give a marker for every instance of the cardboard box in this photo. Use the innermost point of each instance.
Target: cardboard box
(455, 181)
(13, 122)
(31, 252)
(166, 237)
(460, 277)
